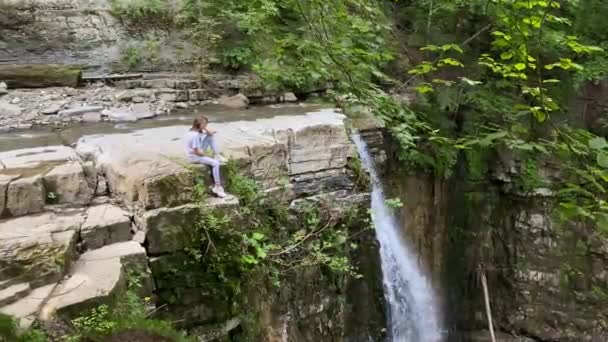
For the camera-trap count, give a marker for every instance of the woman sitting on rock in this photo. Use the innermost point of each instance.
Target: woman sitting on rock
(200, 139)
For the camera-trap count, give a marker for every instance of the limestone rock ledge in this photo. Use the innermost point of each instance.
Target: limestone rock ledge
(148, 169)
(63, 250)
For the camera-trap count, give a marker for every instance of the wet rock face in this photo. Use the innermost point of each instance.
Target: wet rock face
(546, 278)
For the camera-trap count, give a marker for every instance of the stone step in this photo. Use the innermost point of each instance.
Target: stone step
(105, 224)
(27, 308)
(159, 83)
(97, 277)
(14, 293)
(39, 248)
(33, 177)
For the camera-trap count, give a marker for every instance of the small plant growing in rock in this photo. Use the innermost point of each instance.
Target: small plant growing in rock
(393, 203)
(130, 314)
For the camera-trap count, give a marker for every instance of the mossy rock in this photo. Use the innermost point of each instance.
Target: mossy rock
(40, 75)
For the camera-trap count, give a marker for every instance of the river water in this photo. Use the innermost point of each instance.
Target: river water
(48, 136)
(412, 308)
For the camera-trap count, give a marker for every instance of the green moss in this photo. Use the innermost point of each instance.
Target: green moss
(477, 166)
(141, 10)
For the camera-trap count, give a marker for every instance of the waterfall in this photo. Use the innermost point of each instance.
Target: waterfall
(412, 312)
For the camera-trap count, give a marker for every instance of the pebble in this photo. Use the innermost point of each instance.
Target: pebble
(15, 100)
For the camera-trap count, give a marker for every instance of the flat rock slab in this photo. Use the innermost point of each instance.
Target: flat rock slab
(272, 150)
(105, 224)
(97, 277)
(14, 293)
(38, 248)
(26, 309)
(81, 110)
(37, 157)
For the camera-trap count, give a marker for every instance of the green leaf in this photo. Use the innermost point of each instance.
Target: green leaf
(257, 236)
(602, 159)
(597, 143)
(602, 222)
(450, 61)
(520, 66)
(506, 55)
(424, 88)
(469, 82)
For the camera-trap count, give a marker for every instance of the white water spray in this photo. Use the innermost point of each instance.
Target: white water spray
(412, 312)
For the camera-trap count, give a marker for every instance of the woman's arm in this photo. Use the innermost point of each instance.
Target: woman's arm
(209, 131)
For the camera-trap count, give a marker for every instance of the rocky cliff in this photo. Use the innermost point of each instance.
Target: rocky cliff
(77, 223)
(78, 32)
(497, 213)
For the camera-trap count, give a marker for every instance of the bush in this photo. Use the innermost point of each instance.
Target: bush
(129, 317)
(9, 332)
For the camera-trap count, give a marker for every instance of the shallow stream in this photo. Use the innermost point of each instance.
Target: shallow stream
(48, 136)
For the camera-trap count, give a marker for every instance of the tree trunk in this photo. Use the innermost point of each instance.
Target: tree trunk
(40, 75)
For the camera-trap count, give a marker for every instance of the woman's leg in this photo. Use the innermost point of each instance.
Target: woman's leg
(215, 165)
(209, 142)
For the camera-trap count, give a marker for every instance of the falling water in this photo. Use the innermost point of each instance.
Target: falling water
(409, 296)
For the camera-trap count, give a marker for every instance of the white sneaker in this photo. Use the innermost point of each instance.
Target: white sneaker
(218, 191)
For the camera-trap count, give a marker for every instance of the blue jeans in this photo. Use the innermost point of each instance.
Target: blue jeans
(208, 142)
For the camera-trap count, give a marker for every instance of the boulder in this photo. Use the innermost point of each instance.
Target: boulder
(97, 277)
(3, 89)
(105, 224)
(142, 111)
(67, 184)
(290, 97)
(38, 248)
(51, 109)
(238, 101)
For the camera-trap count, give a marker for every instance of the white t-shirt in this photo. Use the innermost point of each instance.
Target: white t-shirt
(193, 141)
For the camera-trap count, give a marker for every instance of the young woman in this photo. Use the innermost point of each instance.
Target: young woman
(198, 141)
